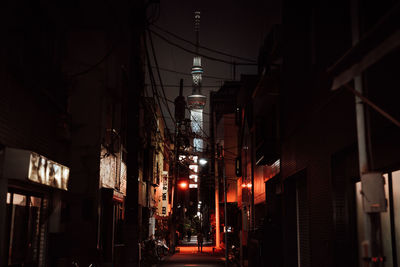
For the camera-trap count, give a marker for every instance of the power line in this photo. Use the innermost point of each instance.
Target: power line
(203, 47)
(186, 107)
(176, 85)
(188, 74)
(159, 74)
(199, 54)
(100, 61)
(154, 89)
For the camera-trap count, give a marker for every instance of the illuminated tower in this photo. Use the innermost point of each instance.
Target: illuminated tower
(196, 100)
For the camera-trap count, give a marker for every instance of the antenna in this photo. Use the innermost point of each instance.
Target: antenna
(197, 28)
(181, 88)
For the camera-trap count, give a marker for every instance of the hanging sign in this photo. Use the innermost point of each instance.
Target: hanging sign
(164, 194)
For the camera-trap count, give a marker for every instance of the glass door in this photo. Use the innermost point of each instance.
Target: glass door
(26, 230)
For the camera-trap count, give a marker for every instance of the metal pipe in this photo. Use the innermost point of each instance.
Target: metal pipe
(371, 246)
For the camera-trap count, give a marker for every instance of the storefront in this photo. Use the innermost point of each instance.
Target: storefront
(113, 192)
(29, 183)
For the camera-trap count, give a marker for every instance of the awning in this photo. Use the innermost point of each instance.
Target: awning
(382, 39)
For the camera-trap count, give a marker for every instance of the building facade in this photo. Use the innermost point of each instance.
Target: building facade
(64, 149)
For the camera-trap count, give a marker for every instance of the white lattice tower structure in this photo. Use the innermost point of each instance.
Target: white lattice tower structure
(196, 100)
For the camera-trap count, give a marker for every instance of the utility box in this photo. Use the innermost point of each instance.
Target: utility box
(373, 192)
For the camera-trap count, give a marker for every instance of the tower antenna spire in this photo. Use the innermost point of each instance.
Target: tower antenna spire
(197, 28)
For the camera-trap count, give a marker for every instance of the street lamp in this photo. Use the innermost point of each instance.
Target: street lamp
(183, 185)
(248, 185)
(202, 162)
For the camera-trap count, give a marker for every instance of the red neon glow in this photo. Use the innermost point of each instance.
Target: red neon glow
(183, 185)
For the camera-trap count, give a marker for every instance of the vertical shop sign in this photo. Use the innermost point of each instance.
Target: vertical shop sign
(164, 194)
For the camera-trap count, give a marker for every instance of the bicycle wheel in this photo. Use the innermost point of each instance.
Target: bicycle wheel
(159, 253)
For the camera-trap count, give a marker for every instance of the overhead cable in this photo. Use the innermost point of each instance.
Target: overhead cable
(154, 89)
(159, 74)
(199, 54)
(177, 85)
(188, 74)
(203, 47)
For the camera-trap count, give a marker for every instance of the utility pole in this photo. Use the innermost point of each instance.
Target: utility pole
(372, 183)
(135, 92)
(180, 105)
(174, 189)
(217, 221)
(225, 211)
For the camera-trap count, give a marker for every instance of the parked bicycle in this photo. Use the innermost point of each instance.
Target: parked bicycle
(234, 256)
(161, 248)
(75, 264)
(152, 251)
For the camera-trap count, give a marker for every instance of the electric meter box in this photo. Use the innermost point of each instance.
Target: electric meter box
(373, 192)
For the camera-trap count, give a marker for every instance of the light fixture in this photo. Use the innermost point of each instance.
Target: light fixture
(183, 185)
(203, 162)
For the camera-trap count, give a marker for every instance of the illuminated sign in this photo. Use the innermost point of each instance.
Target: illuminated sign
(194, 177)
(194, 158)
(164, 194)
(112, 172)
(47, 172)
(194, 168)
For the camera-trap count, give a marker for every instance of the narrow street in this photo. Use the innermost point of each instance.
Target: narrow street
(189, 256)
(133, 129)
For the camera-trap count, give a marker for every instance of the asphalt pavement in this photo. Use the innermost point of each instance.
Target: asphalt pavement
(190, 256)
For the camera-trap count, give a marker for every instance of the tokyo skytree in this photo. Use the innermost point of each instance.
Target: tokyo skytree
(197, 100)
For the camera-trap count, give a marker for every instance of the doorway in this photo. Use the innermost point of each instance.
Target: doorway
(26, 231)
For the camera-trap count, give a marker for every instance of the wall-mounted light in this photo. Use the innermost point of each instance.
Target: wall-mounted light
(203, 162)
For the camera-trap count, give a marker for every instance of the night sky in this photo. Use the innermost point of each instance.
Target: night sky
(233, 27)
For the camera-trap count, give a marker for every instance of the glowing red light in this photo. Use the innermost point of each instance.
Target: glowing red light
(249, 185)
(183, 185)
